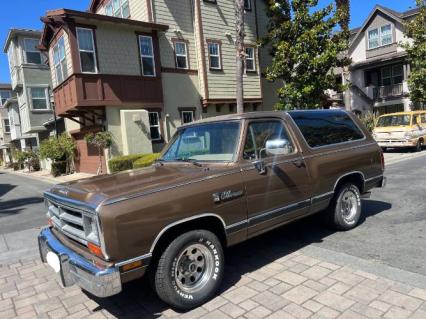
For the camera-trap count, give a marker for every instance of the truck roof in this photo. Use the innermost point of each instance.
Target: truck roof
(253, 115)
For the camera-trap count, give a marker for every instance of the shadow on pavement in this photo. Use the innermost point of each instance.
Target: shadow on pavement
(5, 188)
(14, 206)
(139, 301)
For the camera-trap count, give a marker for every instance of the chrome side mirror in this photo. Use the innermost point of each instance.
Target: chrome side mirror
(277, 147)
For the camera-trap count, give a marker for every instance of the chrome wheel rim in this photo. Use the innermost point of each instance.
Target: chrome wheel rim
(194, 268)
(349, 206)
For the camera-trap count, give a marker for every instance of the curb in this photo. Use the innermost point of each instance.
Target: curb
(405, 158)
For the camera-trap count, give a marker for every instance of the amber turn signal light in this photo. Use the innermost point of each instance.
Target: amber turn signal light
(131, 266)
(95, 249)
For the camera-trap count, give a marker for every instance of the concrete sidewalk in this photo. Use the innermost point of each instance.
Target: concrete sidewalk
(47, 177)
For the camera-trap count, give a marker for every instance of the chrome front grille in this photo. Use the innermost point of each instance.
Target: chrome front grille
(73, 223)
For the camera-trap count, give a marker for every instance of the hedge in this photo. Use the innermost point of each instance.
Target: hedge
(146, 160)
(123, 163)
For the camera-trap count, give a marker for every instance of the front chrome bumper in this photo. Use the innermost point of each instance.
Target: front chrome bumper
(77, 270)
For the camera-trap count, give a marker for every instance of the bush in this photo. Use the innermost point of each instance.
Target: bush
(369, 120)
(17, 166)
(124, 163)
(146, 160)
(59, 168)
(59, 149)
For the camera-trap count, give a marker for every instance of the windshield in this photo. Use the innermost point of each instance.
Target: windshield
(393, 120)
(204, 142)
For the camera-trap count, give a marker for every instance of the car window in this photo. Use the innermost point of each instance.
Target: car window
(321, 128)
(267, 133)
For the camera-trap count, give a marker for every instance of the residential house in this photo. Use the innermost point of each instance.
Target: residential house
(5, 94)
(377, 77)
(31, 108)
(142, 68)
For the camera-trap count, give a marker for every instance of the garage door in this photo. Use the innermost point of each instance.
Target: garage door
(86, 159)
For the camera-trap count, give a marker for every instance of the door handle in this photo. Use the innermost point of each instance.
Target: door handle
(299, 163)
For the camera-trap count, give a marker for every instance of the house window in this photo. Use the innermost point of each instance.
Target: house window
(11, 58)
(86, 47)
(250, 61)
(6, 126)
(380, 36)
(397, 74)
(181, 55)
(247, 5)
(147, 55)
(4, 96)
(214, 56)
(32, 54)
(39, 98)
(373, 39)
(59, 61)
(154, 126)
(386, 34)
(392, 75)
(386, 76)
(187, 116)
(118, 8)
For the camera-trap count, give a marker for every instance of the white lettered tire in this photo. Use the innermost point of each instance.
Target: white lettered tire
(345, 209)
(190, 269)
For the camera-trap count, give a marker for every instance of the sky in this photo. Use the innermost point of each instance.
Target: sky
(27, 13)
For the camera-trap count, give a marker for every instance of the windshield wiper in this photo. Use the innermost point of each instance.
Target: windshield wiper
(188, 160)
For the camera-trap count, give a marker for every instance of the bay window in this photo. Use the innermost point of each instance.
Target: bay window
(39, 98)
(147, 55)
(86, 47)
(32, 54)
(59, 61)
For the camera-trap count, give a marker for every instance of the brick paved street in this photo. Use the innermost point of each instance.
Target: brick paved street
(278, 282)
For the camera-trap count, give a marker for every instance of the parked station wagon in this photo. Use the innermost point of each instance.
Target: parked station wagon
(218, 182)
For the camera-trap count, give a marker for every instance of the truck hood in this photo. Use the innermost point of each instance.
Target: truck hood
(94, 191)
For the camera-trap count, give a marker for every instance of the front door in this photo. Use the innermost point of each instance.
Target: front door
(280, 191)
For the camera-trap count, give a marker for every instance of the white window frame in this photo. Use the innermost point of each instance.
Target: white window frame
(46, 97)
(218, 55)
(5, 131)
(1, 98)
(60, 64)
(390, 77)
(120, 9)
(192, 116)
(252, 59)
(157, 126)
(379, 35)
(181, 55)
(90, 51)
(147, 56)
(31, 51)
(248, 8)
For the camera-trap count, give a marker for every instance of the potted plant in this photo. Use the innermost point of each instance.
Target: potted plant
(102, 141)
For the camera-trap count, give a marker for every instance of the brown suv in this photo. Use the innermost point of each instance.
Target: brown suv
(218, 182)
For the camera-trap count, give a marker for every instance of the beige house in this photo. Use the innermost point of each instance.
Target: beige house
(378, 75)
(141, 68)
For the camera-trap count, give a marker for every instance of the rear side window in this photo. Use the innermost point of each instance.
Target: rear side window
(321, 128)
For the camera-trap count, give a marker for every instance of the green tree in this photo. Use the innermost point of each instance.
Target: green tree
(305, 47)
(58, 150)
(101, 140)
(416, 55)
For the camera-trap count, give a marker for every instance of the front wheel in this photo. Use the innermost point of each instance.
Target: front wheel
(345, 209)
(190, 270)
(419, 146)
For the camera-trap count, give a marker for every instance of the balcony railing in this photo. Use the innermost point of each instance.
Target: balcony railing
(388, 91)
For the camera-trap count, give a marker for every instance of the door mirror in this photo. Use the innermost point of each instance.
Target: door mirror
(278, 147)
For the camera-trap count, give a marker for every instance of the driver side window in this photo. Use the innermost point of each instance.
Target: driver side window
(269, 137)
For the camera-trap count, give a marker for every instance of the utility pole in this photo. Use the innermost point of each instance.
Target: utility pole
(240, 53)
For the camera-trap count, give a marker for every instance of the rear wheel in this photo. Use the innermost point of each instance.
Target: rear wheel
(190, 270)
(345, 209)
